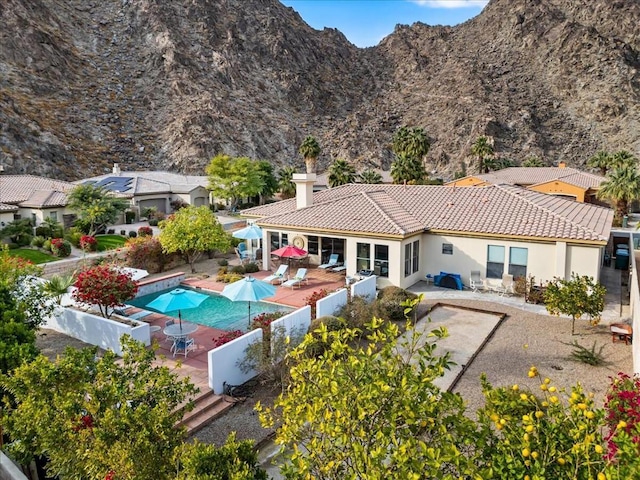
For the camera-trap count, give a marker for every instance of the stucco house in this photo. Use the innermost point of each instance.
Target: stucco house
(403, 233)
(153, 189)
(560, 180)
(36, 198)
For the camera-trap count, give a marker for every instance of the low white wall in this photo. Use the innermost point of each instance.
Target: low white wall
(329, 305)
(293, 325)
(164, 283)
(8, 470)
(365, 288)
(97, 330)
(634, 285)
(224, 362)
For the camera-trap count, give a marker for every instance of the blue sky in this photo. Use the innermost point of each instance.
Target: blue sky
(366, 22)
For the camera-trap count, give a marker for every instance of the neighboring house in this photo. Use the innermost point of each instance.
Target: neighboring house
(36, 198)
(154, 189)
(403, 233)
(562, 181)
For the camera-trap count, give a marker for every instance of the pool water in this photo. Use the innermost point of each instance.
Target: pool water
(216, 311)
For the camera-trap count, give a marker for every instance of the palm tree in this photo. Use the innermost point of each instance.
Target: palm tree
(310, 150)
(341, 172)
(532, 162)
(622, 159)
(285, 182)
(407, 170)
(370, 176)
(622, 187)
(58, 285)
(600, 161)
(411, 142)
(483, 149)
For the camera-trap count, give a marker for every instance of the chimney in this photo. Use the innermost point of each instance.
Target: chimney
(562, 165)
(304, 189)
(116, 169)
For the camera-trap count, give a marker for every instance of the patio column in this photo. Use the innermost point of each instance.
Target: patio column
(561, 259)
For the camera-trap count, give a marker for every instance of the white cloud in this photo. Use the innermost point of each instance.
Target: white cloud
(451, 3)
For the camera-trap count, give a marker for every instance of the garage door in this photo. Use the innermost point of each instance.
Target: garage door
(159, 203)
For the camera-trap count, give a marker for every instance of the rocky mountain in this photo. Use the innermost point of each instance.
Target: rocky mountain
(152, 84)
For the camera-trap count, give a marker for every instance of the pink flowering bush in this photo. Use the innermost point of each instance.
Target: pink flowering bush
(60, 247)
(105, 287)
(88, 243)
(145, 232)
(622, 407)
(226, 338)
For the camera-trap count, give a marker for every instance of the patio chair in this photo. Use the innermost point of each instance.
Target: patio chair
(506, 287)
(332, 263)
(301, 276)
(170, 338)
(278, 275)
(476, 282)
(183, 344)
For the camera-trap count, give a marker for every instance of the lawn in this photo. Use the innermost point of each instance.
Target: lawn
(110, 242)
(35, 256)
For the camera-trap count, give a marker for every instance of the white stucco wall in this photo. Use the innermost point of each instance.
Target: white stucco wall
(584, 260)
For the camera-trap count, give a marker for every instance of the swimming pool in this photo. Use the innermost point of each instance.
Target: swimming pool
(216, 311)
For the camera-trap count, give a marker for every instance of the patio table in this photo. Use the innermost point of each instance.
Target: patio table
(177, 332)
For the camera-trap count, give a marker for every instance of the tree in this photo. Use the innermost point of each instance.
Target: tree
(401, 426)
(90, 416)
(622, 159)
(600, 161)
(96, 207)
(369, 176)
(18, 231)
(14, 269)
(533, 162)
(104, 286)
(58, 285)
(411, 143)
(192, 231)
(285, 182)
(310, 151)
(341, 172)
(407, 170)
(622, 186)
(575, 297)
(483, 149)
(234, 178)
(269, 181)
(17, 336)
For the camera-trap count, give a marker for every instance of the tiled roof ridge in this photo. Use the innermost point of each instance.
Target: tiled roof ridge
(381, 211)
(516, 192)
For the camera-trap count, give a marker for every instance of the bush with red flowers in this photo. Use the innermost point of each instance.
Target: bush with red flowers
(145, 232)
(312, 300)
(88, 243)
(104, 286)
(60, 247)
(146, 253)
(227, 337)
(622, 406)
(264, 321)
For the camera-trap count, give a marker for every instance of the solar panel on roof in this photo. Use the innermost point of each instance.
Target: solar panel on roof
(116, 184)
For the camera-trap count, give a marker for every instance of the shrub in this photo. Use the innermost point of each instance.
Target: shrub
(24, 240)
(43, 231)
(389, 306)
(239, 269)
(60, 247)
(251, 268)
(73, 235)
(153, 222)
(357, 313)
(47, 245)
(586, 355)
(318, 346)
(132, 234)
(123, 233)
(145, 232)
(88, 243)
(312, 300)
(226, 338)
(129, 217)
(37, 241)
(264, 321)
(223, 262)
(12, 246)
(105, 287)
(146, 253)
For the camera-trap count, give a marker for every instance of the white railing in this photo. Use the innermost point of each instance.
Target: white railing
(331, 304)
(365, 288)
(224, 362)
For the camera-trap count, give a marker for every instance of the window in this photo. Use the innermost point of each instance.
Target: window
(332, 245)
(381, 261)
(447, 249)
(363, 257)
(495, 261)
(312, 245)
(518, 261)
(411, 258)
(277, 240)
(53, 216)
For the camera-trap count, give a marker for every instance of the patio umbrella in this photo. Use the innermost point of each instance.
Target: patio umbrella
(289, 251)
(177, 299)
(249, 232)
(248, 290)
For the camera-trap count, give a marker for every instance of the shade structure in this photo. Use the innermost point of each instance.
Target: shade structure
(289, 251)
(250, 232)
(248, 290)
(177, 299)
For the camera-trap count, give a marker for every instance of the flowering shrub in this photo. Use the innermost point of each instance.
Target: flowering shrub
(264, 321)
(145, 232)
(226, 338)
(60, 247)
(88, 243)
(623, 412)
(146, 253)
(312, 300)
(105, 287)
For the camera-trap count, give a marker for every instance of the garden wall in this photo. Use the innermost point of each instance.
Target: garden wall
(96, 330)
(68, 265)
(163, 283)
(365, 288)
(634, 286)
(294, 325)
(224, 362)
(329, 305)
(8, 470)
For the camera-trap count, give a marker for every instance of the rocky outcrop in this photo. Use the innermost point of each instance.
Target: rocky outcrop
(152, 84)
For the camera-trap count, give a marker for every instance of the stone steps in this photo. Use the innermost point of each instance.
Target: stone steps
(208, 407)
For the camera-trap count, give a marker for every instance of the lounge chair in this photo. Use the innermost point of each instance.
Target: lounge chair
(301, 276)
(339, 269)
(476, 282)
(278, 275)
(332, 263)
